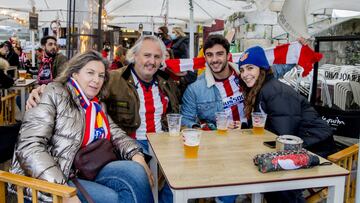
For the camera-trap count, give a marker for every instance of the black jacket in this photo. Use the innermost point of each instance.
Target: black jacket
(180, 47)
(289, 113)
(5, 81)
(12, 58)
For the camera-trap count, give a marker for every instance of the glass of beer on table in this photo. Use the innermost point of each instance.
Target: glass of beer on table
(191, 139)
(22, 74)
(258, 121)
(221, 123)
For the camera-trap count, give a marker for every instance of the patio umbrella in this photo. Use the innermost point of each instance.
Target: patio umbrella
(189, 11)
(294, 21)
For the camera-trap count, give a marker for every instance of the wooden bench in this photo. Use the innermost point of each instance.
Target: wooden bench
(57, 191)
(7, 114)
(344, 158)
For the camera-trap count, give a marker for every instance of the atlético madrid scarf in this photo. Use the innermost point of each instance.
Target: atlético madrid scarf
(291, 53)
(96, 123)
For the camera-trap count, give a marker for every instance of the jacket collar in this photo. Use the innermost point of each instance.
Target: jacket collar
(210, 80)
(161, 76)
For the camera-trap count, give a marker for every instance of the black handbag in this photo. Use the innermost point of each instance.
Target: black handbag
(92, 158)
(89, 161)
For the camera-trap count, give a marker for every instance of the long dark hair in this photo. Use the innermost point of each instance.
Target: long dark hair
(250, 93)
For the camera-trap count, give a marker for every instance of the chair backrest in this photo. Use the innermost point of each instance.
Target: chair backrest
(7, 114)
(347, 159)
(57, 191)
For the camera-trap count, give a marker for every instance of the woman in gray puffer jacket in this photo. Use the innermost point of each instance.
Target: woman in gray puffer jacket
(68, 117)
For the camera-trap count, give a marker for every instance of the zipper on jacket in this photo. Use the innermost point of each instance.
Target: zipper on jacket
(82, 139)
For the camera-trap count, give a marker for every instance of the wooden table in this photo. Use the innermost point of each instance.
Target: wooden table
(225, 167)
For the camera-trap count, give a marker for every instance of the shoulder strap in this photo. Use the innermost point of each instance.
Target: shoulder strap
(82, 190)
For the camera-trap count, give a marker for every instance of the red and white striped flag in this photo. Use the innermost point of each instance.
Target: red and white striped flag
(181, 65)
(291, 53)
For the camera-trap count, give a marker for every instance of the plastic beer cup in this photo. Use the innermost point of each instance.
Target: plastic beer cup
(258, 121)
(174, 123)
(191, 139)
(221, 123)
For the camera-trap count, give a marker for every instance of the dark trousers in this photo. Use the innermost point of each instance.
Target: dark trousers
(8, 138)
(289, 196)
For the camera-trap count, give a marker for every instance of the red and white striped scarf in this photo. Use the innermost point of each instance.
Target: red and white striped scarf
(291, 53)
(96, 122)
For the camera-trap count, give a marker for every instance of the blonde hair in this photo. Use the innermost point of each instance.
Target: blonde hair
(4, 64)
(178, 31)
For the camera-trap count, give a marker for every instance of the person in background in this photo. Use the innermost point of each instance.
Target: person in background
(7, 52)
(61, 124)
(163, 33)
(105, 52)
(288, 112)
(119, 59)
(8, 133)
(180, 43)
(39, 52)
(51, 63)
(5, 80)
(182, 79)
(24, 62)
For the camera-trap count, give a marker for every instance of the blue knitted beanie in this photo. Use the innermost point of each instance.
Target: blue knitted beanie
(256, 56)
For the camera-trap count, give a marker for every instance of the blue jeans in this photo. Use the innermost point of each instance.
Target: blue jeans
(144, 144)
(118, 181)
(165, 194)
(226, 199)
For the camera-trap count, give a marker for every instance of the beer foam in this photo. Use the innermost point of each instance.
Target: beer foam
(192, 138)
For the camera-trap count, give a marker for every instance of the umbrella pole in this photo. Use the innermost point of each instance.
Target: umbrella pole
(191, 29)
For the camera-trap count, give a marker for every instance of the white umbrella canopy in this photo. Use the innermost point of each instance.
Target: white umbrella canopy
(205, 11)
(48, 10)
(148, 22)
(201, 12)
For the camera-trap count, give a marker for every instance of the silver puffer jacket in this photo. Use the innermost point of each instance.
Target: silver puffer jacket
(52, 133)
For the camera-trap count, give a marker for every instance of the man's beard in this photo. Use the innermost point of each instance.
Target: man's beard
(51, 54)
(221, 70)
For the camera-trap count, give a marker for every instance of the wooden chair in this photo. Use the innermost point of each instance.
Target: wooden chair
(57, 191)
(7, 114)
(344, 158)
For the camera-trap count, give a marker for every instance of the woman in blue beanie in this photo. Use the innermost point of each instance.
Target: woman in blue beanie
(288, 112)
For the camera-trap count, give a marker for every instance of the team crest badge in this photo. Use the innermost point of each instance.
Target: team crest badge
(244, 56)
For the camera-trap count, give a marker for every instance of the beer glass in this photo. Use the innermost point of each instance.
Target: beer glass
(221, 123)
(22, 74)
(258, 121)
(174, 123)
(191, 139)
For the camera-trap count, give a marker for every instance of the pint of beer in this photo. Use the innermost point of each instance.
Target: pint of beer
(191, 142)
(221, 122)
(22, 74)
(258, 121)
